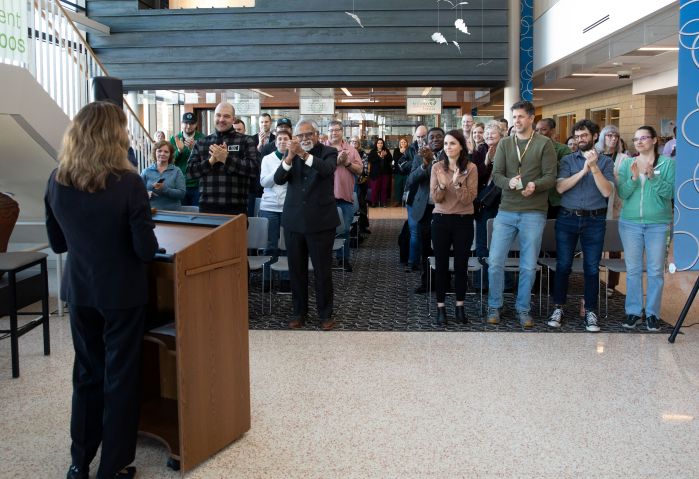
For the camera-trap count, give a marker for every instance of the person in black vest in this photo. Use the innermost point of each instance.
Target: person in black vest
(309, 219)
(97, 210)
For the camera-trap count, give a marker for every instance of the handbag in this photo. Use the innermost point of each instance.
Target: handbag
(489, 196)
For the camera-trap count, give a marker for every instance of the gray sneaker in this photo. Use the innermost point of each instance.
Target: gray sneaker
(591, 322)
(493, 316)
(525, 319)
(556, 317)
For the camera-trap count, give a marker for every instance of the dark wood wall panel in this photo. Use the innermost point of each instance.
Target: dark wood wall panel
(299, 42)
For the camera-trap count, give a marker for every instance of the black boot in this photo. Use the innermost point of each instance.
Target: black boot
(460, 314)
(441, 318)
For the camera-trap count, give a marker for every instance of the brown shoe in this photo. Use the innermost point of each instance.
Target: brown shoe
(296, 322)
(327, 324)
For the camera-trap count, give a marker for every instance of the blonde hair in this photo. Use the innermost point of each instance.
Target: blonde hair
(494, 125)
(95, 146)
(160, 144)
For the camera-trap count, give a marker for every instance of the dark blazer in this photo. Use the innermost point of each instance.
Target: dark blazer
(109, 239)
(310, 206)
(419, 181)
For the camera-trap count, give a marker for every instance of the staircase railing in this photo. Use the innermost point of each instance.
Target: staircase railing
(64, 64)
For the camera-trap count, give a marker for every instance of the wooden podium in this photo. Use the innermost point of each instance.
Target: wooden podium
(196, 378)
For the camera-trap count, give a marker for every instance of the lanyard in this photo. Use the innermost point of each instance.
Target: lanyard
(520, 155)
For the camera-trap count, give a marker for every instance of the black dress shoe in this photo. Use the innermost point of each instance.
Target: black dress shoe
(441, 318)
(126, 473)
(74, 472)
(327, 324)
(460, 315)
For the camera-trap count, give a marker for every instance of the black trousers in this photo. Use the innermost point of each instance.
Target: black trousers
(223, 210)
(319, 246)
(451, 231)
(106, 378)
(425, 228)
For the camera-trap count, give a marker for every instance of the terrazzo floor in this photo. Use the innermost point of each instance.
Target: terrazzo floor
(410, 405)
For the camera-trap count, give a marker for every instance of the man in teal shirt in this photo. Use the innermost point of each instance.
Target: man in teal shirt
(183, 143)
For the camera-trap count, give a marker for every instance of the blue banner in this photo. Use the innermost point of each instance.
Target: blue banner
(686, 230)
(526, 49)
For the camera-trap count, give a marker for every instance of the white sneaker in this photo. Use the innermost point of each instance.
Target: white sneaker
(556, 318)
(591, 322)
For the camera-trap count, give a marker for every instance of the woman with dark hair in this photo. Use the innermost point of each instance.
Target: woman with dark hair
(453, 186)
(398, 176)
(379, 157)
(97, 210)
(646, 187)
(164, 181)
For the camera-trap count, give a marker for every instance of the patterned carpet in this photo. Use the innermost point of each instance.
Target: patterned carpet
(378, 296)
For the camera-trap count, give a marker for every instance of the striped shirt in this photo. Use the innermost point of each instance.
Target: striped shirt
(224, 184)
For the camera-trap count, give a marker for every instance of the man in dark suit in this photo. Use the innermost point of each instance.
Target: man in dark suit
(309, 219)
(422, 205)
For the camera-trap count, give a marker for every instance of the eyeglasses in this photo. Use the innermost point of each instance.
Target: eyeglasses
(581, 136)
(641, 138)
(612, 135)
(305, 136)
(335, 129)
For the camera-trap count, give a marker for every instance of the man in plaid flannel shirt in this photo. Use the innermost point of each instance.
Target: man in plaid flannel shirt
(225, 163)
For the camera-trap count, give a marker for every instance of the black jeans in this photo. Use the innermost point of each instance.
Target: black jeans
(451, 231)
(106, 375)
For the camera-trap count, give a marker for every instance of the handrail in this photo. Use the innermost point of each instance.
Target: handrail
(64, 64)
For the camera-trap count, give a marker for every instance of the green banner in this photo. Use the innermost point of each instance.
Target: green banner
(13, 31)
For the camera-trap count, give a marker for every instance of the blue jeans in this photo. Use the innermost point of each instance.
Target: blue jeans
(653, 238)
(191, 196)
(414, 255)
(590, 231)
(347, 215)
(529, 225)
(272, 249)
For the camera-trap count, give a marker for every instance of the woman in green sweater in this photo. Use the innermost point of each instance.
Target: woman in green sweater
(646, 187)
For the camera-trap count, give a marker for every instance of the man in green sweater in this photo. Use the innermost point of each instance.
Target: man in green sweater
(525, 169)
(183, 143)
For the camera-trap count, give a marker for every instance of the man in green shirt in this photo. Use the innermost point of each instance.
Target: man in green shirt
(547, 127)
(525, 169)
(183, 143)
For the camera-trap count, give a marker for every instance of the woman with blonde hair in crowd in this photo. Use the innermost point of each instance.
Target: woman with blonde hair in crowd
(453, 187)
(164, 181)
(398, 176)
(646, 187)
(97, 210)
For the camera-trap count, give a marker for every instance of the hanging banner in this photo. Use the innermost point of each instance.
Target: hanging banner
(317, 106)
(247, 107)
(686, 228)
(13, 31)
(423, 105)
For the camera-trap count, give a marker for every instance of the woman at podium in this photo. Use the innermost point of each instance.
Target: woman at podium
(97, 210)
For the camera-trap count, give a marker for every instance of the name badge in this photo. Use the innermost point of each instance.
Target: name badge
(233, 147)
(656, 172)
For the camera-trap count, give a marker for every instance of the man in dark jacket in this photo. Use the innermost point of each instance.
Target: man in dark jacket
(309, 219)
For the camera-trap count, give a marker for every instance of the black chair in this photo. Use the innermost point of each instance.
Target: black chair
(19, 288)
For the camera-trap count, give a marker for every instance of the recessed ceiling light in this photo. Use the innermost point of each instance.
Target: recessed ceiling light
(261, 92)
(658, 49)
(554, 89)
(594, 75)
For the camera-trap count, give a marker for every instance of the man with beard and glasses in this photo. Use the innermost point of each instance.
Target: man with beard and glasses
(183, 143)
(225, 163)
(423, 204)
(525, 169)
(309, 218)
(585, 181)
